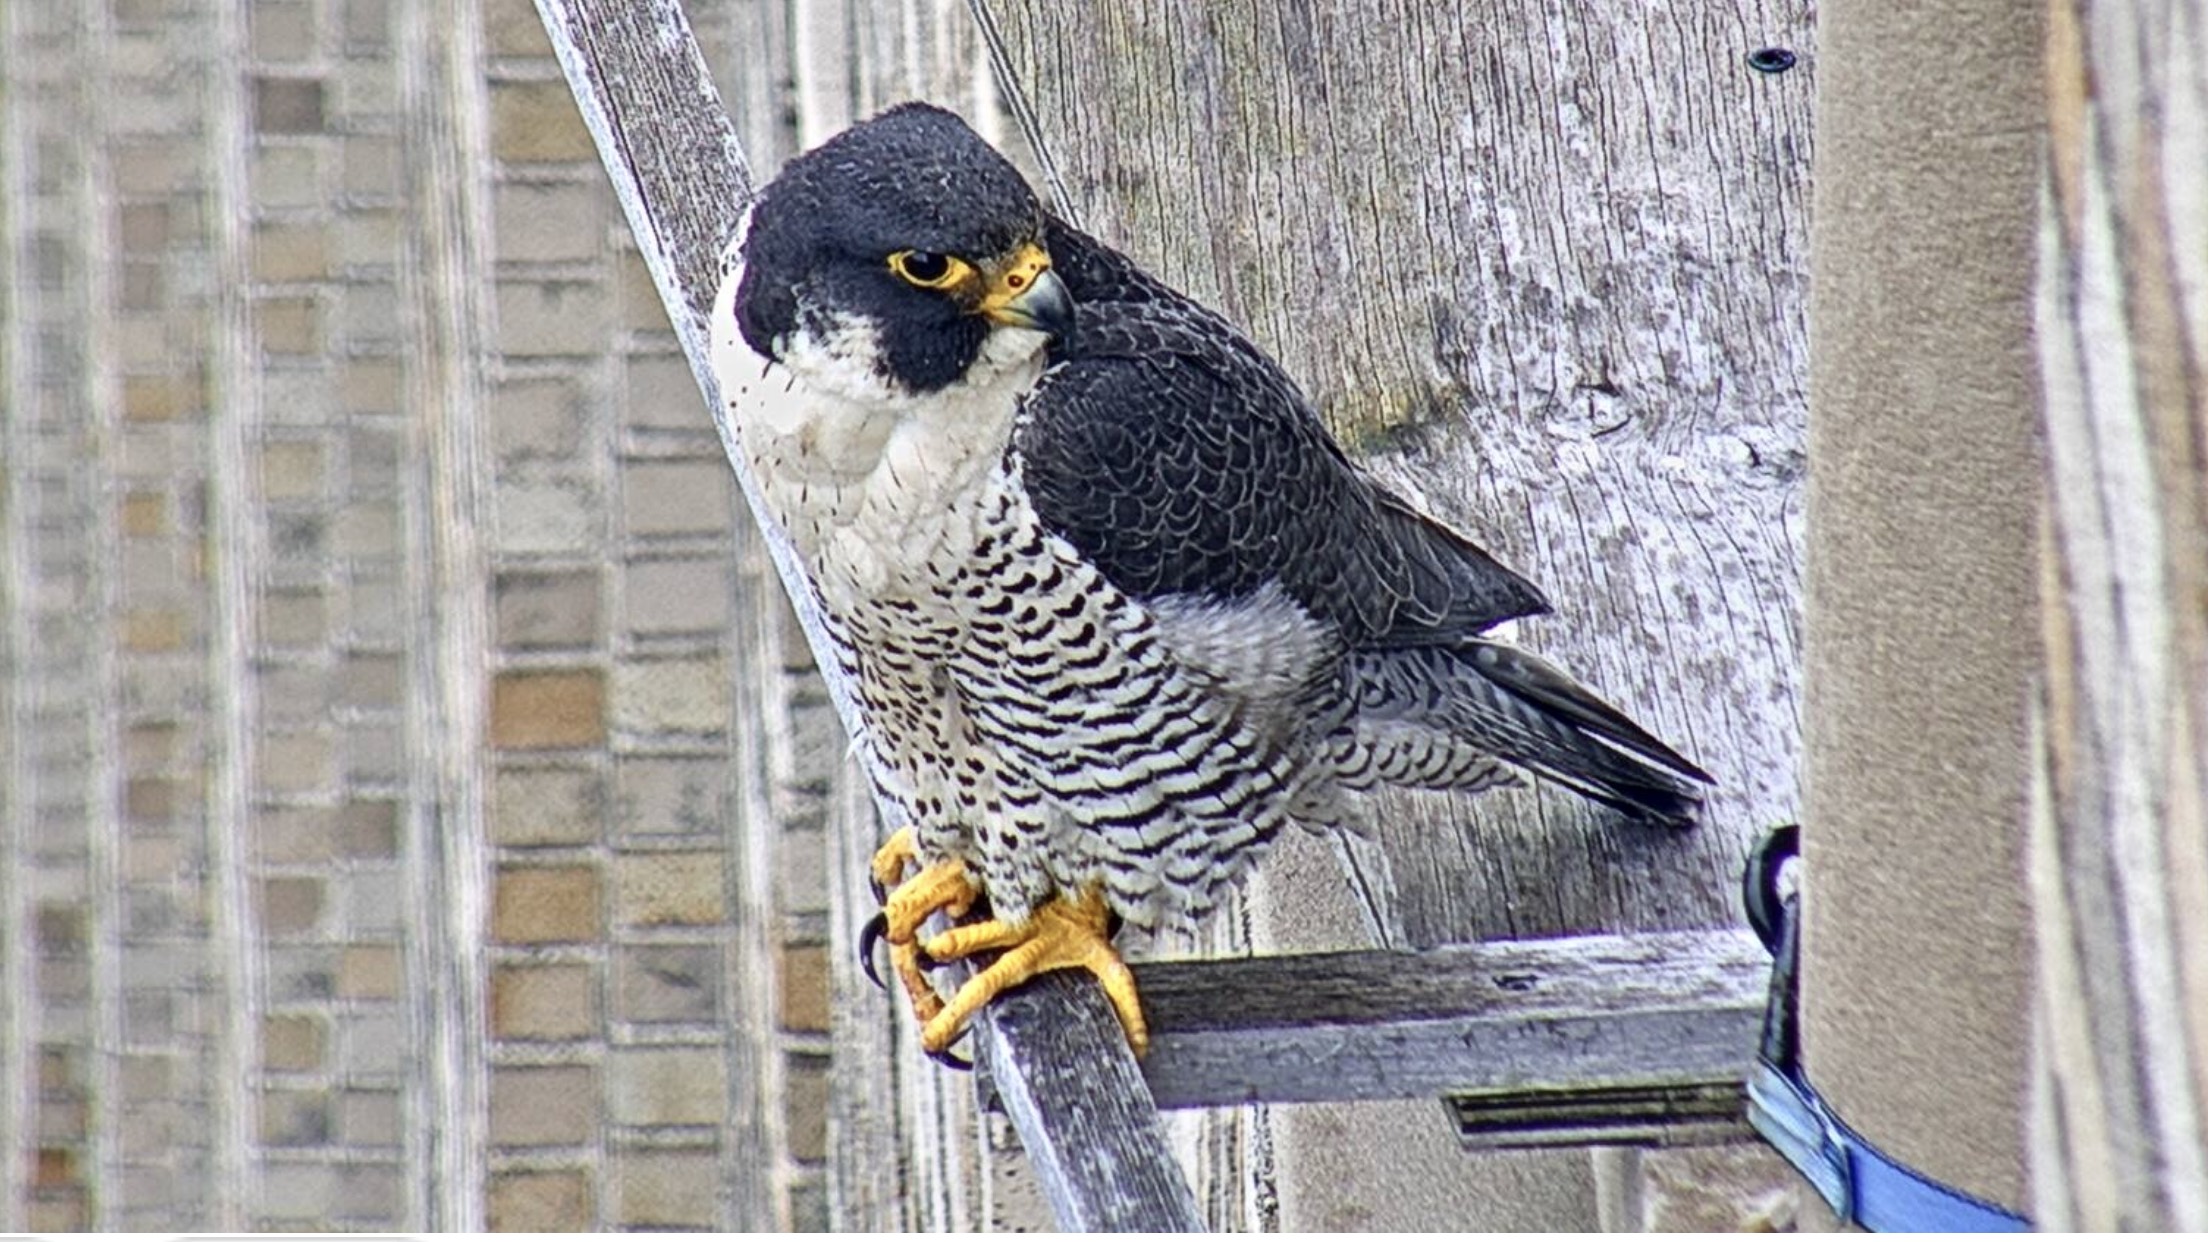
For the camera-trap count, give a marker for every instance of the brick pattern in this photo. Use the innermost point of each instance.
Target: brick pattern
(629, 1005)
(325, 194)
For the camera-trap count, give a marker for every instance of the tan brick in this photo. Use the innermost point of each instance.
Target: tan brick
(293, 1042)
(288, 325)
(368, 828)
(371, 385)
(666, 1087)
(283, 30)
(153, 629)
(540, 1201)
(370, 166)
(663, 890)
(371, 679)
(544, 1002)
(142, 228)
(366, 529)
(534, 417)
(53, 1167)
(543, 1105)
(512, 28)
(536, 122)
(147, 167)
(368, 972)
(295, 1118)
(151, 744)
(805, 1106)
(154, 860)
(548, 710)
(288, 177)
(369, 1118)
(803, 981)
(557, 223)
(537, 318)
(287, 105)
(160, 398)
(290, 905)
(664, 1189)
(671, 696)
(641, 309)
(62, 1210)
(288, 252)
(545, 905)
(295, 618)
(295, 762)
(145, 514)
(292, 834)
(291, 470)
(546, 806)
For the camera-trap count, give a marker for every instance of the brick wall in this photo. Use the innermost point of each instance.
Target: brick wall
(405, 826)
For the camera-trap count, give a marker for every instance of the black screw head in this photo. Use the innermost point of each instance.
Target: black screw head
(1771, 60)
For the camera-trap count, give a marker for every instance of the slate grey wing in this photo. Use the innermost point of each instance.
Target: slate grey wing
(1179, 459)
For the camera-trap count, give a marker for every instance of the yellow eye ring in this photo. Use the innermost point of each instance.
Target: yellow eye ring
(928, 269)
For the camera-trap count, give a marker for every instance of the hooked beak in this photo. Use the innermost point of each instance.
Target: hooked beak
(1025, 293)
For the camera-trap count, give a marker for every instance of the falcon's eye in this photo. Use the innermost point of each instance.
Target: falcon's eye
(928, 269)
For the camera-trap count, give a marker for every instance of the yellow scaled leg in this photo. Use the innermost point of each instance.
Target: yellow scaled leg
(1064, 935)
(943, 886)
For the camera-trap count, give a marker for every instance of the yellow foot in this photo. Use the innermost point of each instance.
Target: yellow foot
(943, 886)
(1064, 935)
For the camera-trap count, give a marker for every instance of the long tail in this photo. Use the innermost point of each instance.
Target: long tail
(1486, 697)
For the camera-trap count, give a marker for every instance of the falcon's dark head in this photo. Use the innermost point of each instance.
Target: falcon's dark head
(901, 244)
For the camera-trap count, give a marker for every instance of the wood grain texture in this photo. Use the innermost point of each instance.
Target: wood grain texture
(1543, 267)
(2119, 847)
(1568, 1013)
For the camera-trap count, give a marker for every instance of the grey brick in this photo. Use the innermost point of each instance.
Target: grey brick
(683, 596)
(537, 418)
(369, 1118)
(670, 797)
(553, 516)
(374, 1044)
(666, 1086)
(547, 608)
(545, 317)
(546, 806)
(676, 497)
(661, 393)
(667, 983)
(557, 223)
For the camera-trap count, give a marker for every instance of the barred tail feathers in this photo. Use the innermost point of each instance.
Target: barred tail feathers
(1489, 697)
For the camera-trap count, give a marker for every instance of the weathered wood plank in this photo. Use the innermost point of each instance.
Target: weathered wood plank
(2118, 849)
(1680, 1007)
(679, 173)
(1083, 1112)
(1543, 266)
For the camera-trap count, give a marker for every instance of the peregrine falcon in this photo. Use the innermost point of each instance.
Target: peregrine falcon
(1116, 608)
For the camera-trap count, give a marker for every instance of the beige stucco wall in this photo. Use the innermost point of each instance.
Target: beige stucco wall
(1921, 612)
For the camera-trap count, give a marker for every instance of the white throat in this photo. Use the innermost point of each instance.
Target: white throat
(871, 481)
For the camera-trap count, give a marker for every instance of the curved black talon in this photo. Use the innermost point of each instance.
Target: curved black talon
(922, 959)
(951, 1060)
(881, 895)
(876, 928)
